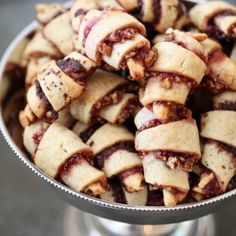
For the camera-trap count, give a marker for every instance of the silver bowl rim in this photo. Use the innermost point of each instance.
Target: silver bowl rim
(118, 206)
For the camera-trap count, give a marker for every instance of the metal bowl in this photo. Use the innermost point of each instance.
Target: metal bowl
(114, 211)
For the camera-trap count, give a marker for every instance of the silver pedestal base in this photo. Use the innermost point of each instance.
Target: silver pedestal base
(78, 223)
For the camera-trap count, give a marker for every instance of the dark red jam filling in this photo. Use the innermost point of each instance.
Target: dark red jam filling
(85, 135)
(125, 174)
(37, 137)
(155, 198)
(89, 27)
(232, 184)
(40, 93)
(212, 84)
(80, 12)
(157, 11)
(216, 56)
(213, 28)
(112, 97)
(223, 146)
(73, 69)
(230, 106)
(100, 158)
(129, 110)
(75, 160)
(176, 112)
(174, 159)
(119, 35)
(174, 78)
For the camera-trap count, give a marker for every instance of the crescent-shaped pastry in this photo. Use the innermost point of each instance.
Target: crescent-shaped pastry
(121, 44)
(38, 47)
(221, 69)
(58, 84)
(103, 89)
(46, 12)
(65, 157)
(215, 17)
(218, 155)
(167, 137)
(113, 147)
(59, 32)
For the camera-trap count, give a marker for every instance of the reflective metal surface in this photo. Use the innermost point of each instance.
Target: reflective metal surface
(114, 211)
(77, 223)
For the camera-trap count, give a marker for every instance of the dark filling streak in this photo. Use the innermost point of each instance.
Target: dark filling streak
(125, 174)
(74, 160)
(180, 11)
(222, 146)
(80, 12)
(37, 137)
(73, 69)
(108, 99)
(214, 30)
(105, 153)
(40, 93)
(174, 78)
(157, 11)
(85, 135)
(174, 159)
(227, 105)
(155, 198)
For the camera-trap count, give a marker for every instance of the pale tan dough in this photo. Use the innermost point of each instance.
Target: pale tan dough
(29, 133)
(219, 161)
(224, 70)
(46, 12)
(26, 116)
(169, 13)
(233, 53)
(79, 128)
(84, 5)
(200, 14)
(134, 182)
(136, 198)
(114, 4)
(147, 11)
(39, 46)
(165, 90)
(16, 56)
(59, 32)
(224, 97)
(210, 45)
(159, 175)
(113, 112)
(33, 67)
(143, 117)
(108, 196)
(82, 176)
(104, 28)
(220, 126)
(226, 23)
(36, 104)
(122, 49)
(159, 38)
(65, 118)
(120, 161)
(182, 61)
(98, 86)
(108, 135)
(56, 147)
(179, 136)
(59, 88)
(129, 5)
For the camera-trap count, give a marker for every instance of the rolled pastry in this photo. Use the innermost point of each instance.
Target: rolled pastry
(167, 137)
(46, 12)
(58, 84)
(217, 18)
(117, 193)
(103, 89)
(221, 69)
(163, 14)
(39, 47)
(65, 157)
(121, 44)
(59, 32)
(113, 147)
(219, 147)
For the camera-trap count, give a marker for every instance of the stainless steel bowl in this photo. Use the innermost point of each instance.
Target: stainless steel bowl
(114, 211)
